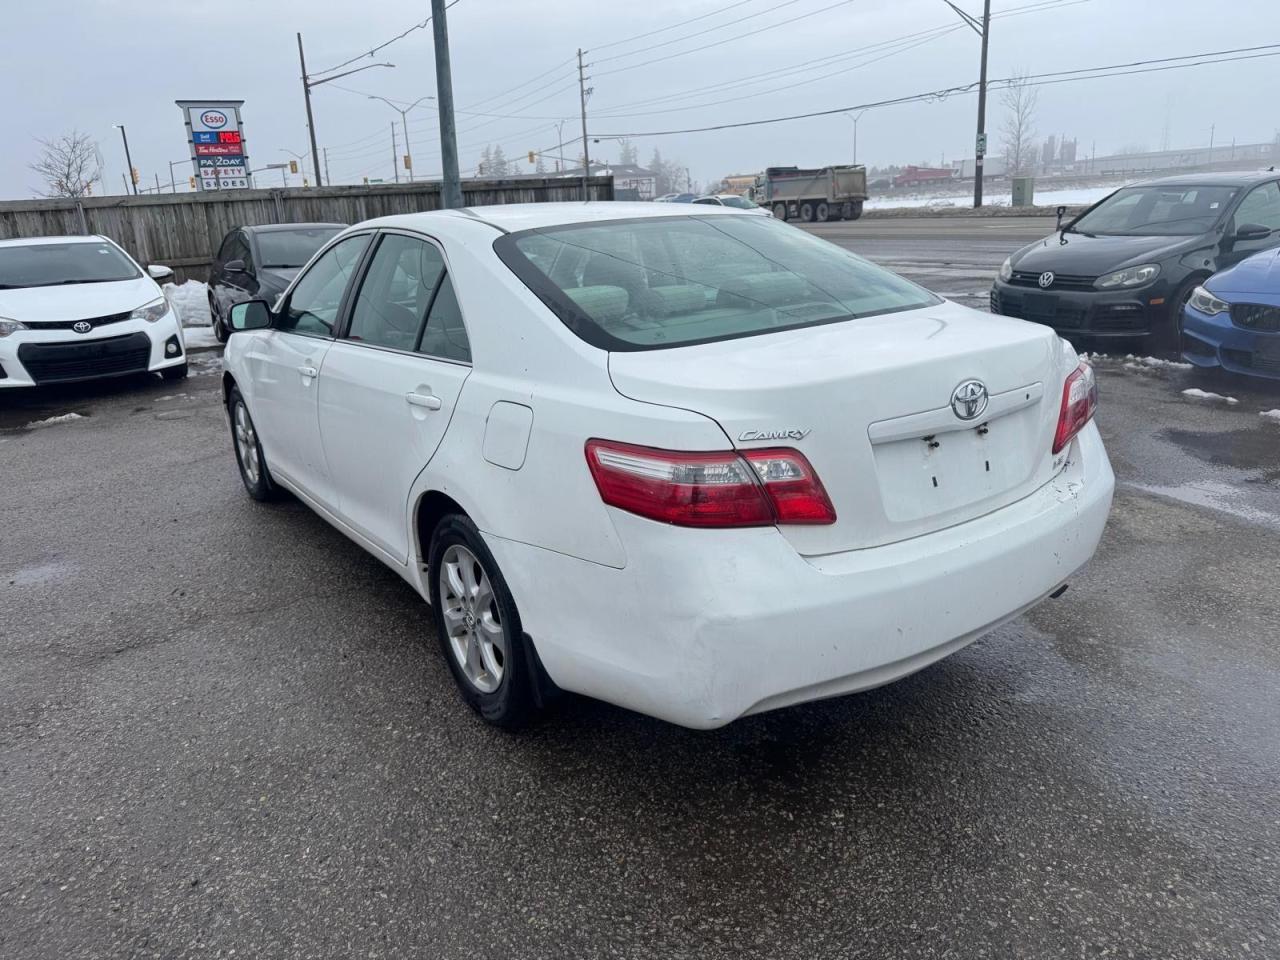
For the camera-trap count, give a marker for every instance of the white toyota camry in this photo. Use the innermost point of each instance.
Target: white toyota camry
(695, 462)
(80, 308)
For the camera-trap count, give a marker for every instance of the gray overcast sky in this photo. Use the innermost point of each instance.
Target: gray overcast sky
(87, 64)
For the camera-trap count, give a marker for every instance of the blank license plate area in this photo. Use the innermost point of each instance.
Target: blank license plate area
(922, 478)
(1267, 348)
(1042, 306)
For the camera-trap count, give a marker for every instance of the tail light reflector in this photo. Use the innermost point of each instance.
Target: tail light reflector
(1079, 403)
(717, 489)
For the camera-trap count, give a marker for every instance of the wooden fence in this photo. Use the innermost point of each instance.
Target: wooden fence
(183, 230)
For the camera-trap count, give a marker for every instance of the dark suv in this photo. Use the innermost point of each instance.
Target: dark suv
(257, 263)
(1127, 265)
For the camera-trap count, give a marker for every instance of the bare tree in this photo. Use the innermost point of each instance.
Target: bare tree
(68, 165)
(627, 152)
(1018, 132)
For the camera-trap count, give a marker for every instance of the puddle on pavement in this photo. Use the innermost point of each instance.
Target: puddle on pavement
(1242, 449)
(1214, 495)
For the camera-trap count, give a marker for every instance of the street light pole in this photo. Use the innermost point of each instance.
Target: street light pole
(855, 118)
(451, 188)
(127, 159)
(586, 155)
(404, 124)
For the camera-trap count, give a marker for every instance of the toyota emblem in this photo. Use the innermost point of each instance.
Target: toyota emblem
(82, 326)
(1046, 279)
(969, 400)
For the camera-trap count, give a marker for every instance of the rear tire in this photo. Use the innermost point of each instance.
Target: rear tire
(806, 212)
(856, 212)
(846, 210)
(780, 211)
(822, 212)
(175, 373)
(249, 456)
(478, 626)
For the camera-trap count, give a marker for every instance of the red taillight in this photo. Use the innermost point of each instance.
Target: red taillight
(1079, 402)
(719, 489)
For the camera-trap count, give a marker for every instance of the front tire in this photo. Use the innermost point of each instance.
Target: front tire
(248, 446)
(219, 330)
(175, 373)
(478, 626)
(780, 211)
(1170, 338)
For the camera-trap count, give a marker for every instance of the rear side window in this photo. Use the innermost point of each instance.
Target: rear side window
(651, 283)
(396, 293)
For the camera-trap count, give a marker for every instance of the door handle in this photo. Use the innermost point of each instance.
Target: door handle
(424, 400)
(307, 371)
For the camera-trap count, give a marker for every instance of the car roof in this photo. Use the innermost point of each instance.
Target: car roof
(278, 227)
(31, 241)
(1227, 178)
(513, 217)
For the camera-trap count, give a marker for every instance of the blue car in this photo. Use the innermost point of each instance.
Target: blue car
(1232, 321)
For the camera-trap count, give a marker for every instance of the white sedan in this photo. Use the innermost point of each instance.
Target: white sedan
(687, 460)
(80, 308)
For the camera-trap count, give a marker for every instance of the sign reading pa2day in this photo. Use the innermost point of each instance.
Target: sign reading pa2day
(216, 142)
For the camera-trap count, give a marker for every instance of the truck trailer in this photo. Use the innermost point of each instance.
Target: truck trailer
(825, 193)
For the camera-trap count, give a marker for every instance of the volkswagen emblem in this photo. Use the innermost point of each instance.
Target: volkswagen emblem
(969, 400)
(82, 326)
(1046, 279)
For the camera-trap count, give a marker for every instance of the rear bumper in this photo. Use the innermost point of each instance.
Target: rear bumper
(37, 357)
(702, 627)
(1090, 313)
(1216, 342)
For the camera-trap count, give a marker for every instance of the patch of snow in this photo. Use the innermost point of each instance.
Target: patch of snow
(1079, 196)
(1155, 363)
(191, 301)
(1271, 415)
(61, 418)
(1199, 394)
(200, 338)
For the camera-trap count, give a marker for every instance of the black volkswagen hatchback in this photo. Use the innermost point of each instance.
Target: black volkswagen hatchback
(1127, 266)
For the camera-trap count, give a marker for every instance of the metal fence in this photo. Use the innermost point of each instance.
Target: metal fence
(183, 230)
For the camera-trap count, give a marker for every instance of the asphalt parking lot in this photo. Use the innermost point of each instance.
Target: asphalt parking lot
(227, 731)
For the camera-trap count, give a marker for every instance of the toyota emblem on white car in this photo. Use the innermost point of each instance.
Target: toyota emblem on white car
(969, 399)
(1046, 279)
(82, 326)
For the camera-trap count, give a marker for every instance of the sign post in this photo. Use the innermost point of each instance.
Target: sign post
(215, 135)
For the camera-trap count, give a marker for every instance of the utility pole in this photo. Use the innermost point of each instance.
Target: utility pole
(395, 153)
(157, 183)
(586, 153)
(311, 123)
(560, 143)
(128, 160)
(327, 181)
(451, 188)
(1213, 129)
(981, 142)
(173, 184)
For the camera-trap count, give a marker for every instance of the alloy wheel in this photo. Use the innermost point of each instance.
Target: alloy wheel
(472, 620)
(247, 444)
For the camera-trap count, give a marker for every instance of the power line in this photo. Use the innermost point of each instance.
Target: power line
(698, 33)
(641, 36)
(1065, 76)
(386, 43)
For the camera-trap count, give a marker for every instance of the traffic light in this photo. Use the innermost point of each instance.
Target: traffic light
(136, 178)
(533, 157)
(191, 181)
(293, 166)
(408, 162)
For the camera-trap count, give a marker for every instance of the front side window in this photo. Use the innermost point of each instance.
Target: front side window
(396, 293)
(1261, 206)
(60, 264)
(314, 303)
(1172, 211)
(671, 281)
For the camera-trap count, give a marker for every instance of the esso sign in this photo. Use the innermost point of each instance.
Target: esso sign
(214, 119)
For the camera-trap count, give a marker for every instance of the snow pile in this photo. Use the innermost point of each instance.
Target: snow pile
(61, 418)
(1078, 197)
(191, 301)
(200, 338)
(1153, 363)
(1271, 415)
(1199, 394)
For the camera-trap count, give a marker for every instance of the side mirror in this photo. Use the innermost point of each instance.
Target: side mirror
(1062, 212)
(233, 266)
(250, 315)
(160, 273)
(1251, 231)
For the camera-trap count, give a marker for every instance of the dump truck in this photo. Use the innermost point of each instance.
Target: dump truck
(825, 193)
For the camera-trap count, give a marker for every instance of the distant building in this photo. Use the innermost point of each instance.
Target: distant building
(630, 182)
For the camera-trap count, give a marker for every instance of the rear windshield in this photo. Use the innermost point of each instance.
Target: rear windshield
(651, 283)
(1172, 211)
(54, 264)
(292, 248)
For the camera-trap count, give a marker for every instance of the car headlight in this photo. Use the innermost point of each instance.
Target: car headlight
(1206, 302)
(1006, 269)
(151, 312)
(1129, 277)
(10, 326)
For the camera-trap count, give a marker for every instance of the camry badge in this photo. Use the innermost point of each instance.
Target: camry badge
(969, 399)
(747, 436)
(1046, 279)
(82, 326)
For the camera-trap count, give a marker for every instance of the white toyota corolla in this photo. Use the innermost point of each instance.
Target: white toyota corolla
(80, 308)
(695, 462)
